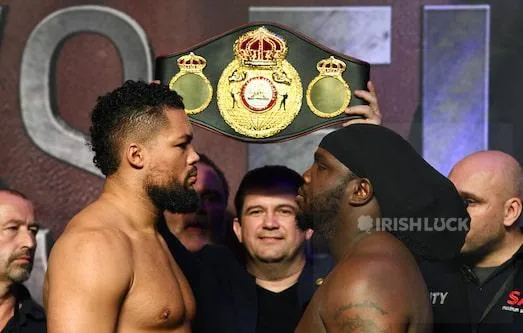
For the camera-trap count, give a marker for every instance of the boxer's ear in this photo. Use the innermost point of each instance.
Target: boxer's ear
(360, 191)
(135, 155)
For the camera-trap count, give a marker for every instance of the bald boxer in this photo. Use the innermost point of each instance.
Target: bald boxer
(111, 271)
(361, 173)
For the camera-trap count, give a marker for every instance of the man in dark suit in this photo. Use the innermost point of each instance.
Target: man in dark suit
(269, 292)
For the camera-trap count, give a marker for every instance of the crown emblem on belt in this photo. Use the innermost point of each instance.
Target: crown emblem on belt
(260, 47)
(191, 63)
(331, 66)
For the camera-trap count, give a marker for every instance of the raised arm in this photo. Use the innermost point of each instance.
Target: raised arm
(369, 296)
(88, 276)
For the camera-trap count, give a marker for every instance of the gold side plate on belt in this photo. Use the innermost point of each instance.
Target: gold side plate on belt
(328, 94)
(192, 84)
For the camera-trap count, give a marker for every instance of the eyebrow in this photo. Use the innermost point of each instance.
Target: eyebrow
(286, 206)
(20, 222)
(469, 195)
(186, 138)
(277, 207)
(247, 208)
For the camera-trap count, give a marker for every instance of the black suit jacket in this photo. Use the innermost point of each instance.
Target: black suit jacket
(225, 292)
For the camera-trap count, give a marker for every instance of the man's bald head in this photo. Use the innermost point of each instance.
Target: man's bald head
(491, 183)
(504, 172)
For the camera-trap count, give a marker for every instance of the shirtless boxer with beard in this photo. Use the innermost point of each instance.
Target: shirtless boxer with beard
(110, 271)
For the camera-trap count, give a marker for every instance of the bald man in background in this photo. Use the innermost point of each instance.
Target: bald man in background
(486, 293)
(491, 184)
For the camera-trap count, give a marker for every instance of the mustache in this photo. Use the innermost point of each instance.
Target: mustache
(193, 172)
(21, 254)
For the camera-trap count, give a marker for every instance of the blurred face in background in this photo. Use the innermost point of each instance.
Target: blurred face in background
(195, 230)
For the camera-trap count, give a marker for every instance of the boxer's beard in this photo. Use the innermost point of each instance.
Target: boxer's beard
(174, 196)
(322, 213)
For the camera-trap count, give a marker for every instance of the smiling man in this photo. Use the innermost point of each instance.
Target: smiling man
(280, 279)
(267, 226)
(111, 271)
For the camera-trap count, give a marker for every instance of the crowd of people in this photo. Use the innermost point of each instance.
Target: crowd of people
(410, 250)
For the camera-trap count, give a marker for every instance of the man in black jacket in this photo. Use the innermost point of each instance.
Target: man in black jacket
(482, 292)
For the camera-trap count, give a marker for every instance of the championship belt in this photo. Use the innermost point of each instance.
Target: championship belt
(264, 83)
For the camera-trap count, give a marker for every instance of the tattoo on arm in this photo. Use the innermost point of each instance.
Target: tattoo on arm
(354, 323)
(366, 304)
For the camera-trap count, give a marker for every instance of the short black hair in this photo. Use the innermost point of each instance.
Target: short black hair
(269, 177)
(136, 109)
(206, 160)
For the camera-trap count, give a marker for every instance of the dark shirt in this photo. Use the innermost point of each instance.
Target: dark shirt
(278, 312)
(488, 299)
(225, 293)
(483, 273)
(464, 301)
(30, 317)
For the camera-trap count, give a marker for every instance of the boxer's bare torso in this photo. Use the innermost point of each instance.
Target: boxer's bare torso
(110, 273)
(376, 287)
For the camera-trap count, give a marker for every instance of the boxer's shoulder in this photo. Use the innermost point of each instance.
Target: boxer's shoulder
(98, 248)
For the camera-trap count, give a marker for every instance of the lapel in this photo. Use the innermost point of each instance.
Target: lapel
(243, 290)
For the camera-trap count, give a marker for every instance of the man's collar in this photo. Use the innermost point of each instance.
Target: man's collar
(28, 306)
(519, 253)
